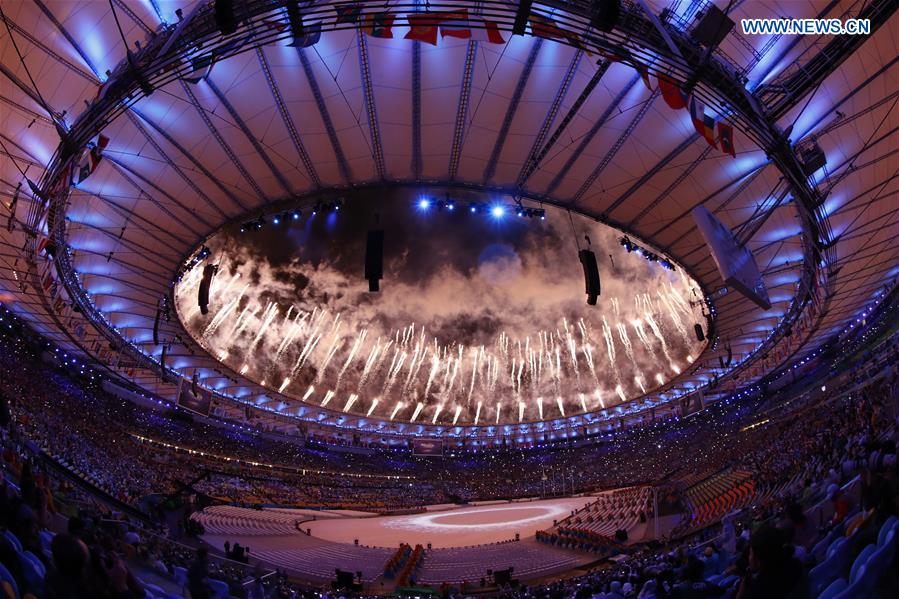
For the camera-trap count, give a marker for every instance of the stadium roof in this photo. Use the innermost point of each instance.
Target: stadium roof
(564, 114)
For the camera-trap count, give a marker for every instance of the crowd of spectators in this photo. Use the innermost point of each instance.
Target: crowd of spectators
(798, 451)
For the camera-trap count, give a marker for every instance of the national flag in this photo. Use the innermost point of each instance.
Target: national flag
(96, 152)
(379, 24)
(84, 171)
(618, 56)
(102, 88)
(704, 125)
(348, 13)
(275, 25)
(10, 223)
(91, 157)
(461, 27)
(47, 281)
(200, 68)
(672, 93)
(644, 75)
(726, 138)
(311, 36)
(547, 28)
(423, 26)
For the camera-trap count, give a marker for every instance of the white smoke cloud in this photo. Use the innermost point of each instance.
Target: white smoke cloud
(471, 313)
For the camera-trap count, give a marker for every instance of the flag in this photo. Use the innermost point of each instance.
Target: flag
(200, 68)
(10, 223)
(547, 28)
(275, 25)
(84, 172)
(91, 157)
(311, 36)
(423, 26)
(704, 125)
(379, 24)
(348, 13)
(47, 281)
(726, 139)
(96, 152)
(672, 93)
(644, 75)
(461, 27)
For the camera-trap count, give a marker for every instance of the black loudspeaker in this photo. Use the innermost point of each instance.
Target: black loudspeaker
(604, 14)
(813, 159)
(621, 535)
(203, 293)
(224, 16)
(343, 580)
(194, 381)
(295, 17)
(700, 336)
(521, 17)
(713, 27)
(502, 577)
(156, 326)
(374, 259)
(591, 275)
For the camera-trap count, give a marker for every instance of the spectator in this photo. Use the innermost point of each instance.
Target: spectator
(773, 571)
(198, 576)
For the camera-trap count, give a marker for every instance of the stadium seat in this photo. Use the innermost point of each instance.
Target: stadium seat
(885, 529)
(13, 539)
(879, 561)
(860, 560)
(180, 576)
(6, 578)
(219, 589)
(835, 588)
(33, 569)
(862, 587)
(46, 538)
(822, 574)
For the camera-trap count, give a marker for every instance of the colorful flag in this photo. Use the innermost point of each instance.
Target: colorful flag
(726, 139)
(644, 75)
(461, 27)
(704, 124)
(546, 28)
(10, 223)
(96, 152)
(423, 26)
(348, 13)
(91, 157)
(275, 25)
(200, 68)
(672, 93)
(379, 24)
(311, 36)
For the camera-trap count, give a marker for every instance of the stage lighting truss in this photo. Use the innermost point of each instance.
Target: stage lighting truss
(496, 210)
(651, 256)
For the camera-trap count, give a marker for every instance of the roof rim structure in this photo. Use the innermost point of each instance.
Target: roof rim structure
(711, 75)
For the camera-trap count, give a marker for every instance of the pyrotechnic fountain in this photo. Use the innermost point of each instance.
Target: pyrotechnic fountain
(308, 327)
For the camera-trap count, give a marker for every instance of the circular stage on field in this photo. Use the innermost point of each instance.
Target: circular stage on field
(456, 527)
